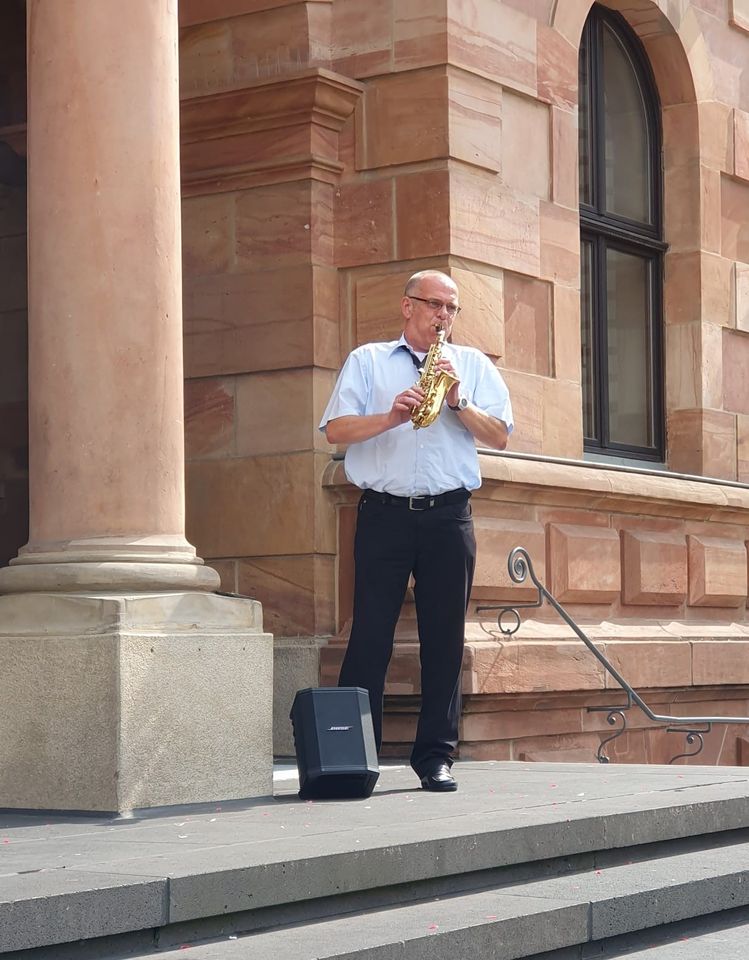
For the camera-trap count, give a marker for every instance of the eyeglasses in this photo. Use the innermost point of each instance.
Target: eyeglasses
(452, 309)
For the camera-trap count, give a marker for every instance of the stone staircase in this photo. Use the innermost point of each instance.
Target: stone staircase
(527, 860)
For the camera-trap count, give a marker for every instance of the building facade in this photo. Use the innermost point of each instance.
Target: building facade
(582, 171)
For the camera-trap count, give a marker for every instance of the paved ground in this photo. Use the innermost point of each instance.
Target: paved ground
(256, 831)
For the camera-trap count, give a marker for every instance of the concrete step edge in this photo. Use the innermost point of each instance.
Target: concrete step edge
(511, 922)
(63, 907)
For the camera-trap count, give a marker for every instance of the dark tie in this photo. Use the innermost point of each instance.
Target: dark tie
(416, 362)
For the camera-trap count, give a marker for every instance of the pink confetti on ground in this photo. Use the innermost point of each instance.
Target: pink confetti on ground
(553, 786)
(433, 926)
(492, 916)
(598, 873)
(6, 840)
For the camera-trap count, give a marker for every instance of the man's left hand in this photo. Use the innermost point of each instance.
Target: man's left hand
(453, 393)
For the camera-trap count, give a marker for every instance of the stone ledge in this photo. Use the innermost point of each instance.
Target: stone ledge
(579, 484)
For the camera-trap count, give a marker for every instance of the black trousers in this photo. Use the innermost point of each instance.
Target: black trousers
(438, 546)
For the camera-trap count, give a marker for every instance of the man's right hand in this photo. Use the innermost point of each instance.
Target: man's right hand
(354, 429)
(405, 402)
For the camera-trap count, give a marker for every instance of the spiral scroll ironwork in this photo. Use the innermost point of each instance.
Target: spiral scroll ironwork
(520, 568)
(613, 717)
(692, 736)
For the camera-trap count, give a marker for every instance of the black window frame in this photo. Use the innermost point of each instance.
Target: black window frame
(605, 230)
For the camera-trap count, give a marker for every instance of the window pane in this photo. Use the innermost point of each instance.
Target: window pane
(626, 146)
(630, 409)
(585, 124)
(590, 427)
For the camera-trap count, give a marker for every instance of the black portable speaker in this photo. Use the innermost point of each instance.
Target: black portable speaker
(334, 741)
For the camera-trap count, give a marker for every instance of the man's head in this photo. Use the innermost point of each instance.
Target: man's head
(430, 300)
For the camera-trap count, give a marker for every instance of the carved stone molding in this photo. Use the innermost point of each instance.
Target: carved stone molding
(270, 131)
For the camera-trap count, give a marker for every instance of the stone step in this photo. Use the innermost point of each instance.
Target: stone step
(512, 921)
(240, 867)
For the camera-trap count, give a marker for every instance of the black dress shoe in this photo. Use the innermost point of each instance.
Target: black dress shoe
(439, 779)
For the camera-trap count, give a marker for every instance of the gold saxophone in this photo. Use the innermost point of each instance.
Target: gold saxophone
(436, 386)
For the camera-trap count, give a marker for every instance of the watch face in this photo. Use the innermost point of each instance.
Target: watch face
(462, 403)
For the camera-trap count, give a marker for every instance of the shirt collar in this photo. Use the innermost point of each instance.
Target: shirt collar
(402, 342)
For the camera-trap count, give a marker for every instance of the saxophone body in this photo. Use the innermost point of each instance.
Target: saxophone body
(436, 386)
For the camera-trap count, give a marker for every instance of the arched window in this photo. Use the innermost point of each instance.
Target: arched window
(622, 246)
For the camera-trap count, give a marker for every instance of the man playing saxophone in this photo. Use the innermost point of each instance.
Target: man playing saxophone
(414, 515)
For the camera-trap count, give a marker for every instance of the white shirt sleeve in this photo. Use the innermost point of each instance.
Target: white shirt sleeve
(491, 394)
(349, 397)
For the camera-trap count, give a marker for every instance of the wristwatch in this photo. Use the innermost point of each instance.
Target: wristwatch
(460, 405)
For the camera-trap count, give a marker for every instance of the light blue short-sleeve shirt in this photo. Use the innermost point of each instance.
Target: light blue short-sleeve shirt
(403, 461)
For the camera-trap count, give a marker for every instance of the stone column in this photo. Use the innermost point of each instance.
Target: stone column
(105, 323)
(136, 685)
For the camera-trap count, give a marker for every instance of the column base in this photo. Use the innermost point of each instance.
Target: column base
(106, 577)
(135, 564)
(114, 703)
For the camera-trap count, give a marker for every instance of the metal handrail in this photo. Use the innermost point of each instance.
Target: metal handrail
(520, 567)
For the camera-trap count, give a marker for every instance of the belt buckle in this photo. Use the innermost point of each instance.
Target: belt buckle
(424, 497)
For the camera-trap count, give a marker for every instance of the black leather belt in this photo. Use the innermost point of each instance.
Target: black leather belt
(425, 502)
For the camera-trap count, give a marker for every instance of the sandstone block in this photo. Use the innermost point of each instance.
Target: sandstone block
(209, 418)
(422, 203)
(376, 305)
(560, 244)
(719, 662)
(209, 234)
(205, 58)
(564, 146)
(735, 219)
(717, 572)
(389, 135)
(276, 412)
(683, 366)
(256, 320)
(527, 393)
(297, 592)
(528, 666)
(702, 441)
(481, 322)
(741, 143)
(735, 371)
(285, 224)
(364, 222)
(526, 122)
(222, 520)
(742, 429)
(419, 33)
(492, 224)
(654, 567)
(566, 339)
(557, 68)
(528, 324)
(494, 40)
(562, 419)
(650, 664)
(495, 538)
(585, 563)
(742, 296)
(475, 119)
(362, 37)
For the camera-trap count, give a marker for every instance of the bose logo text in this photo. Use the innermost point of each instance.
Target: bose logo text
(338, 728)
